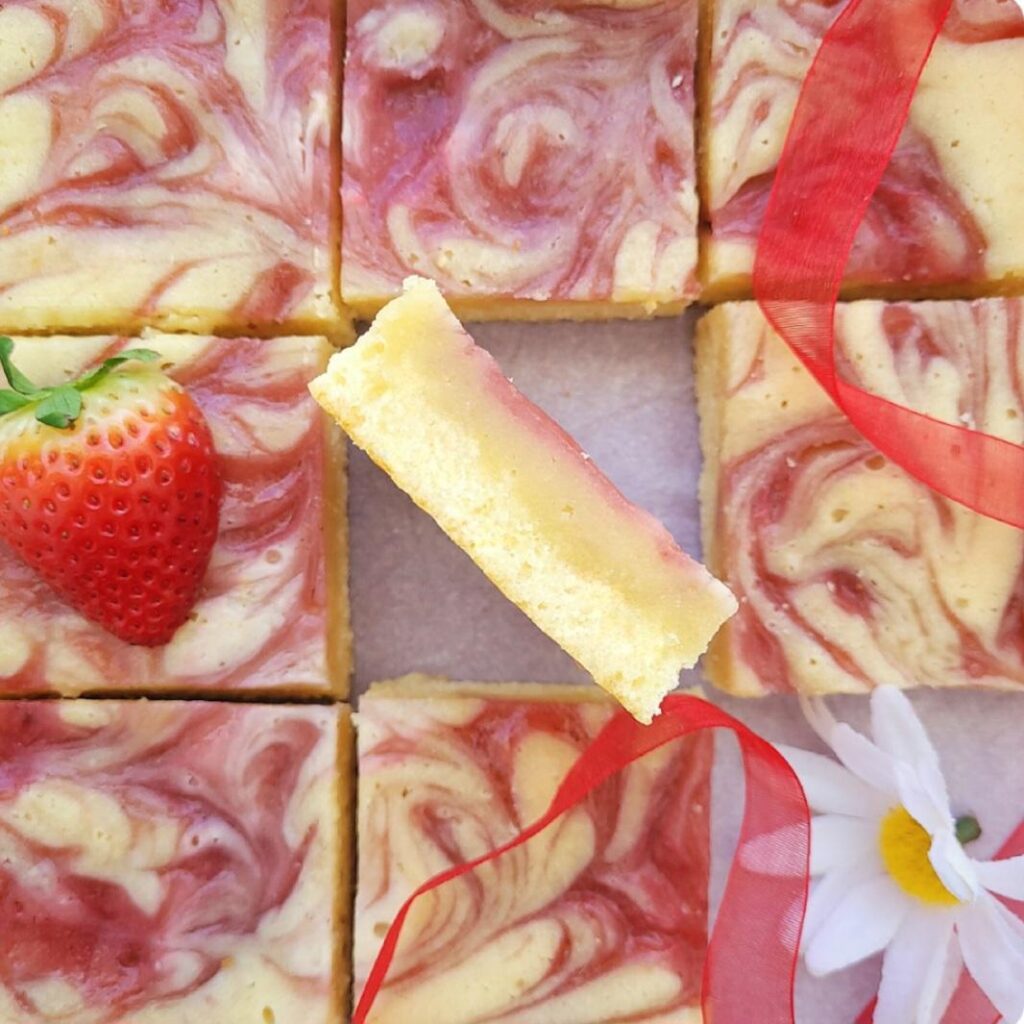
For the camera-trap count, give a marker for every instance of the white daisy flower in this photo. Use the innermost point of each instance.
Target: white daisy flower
(891, 876)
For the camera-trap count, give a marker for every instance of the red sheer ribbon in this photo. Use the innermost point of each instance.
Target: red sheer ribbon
(969, 1004)
(852, 109)
(754, 945)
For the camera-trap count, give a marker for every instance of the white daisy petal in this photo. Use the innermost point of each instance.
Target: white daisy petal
(899, 732)
(819, 718)
(866, 757)
(933, 782)
(838, 841)
(927, 804)
(1005, 877)
(865, 760)
(942, 981)
(955, 869)
(923, 793)
(832, 789)
(863, 924)
(1009, 920)
(897, 729)
(919, 972)
(992, 942)
(827, 893)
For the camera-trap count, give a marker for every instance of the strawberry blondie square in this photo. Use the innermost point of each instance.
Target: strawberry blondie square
(601, 917)
(168, 164)
(849, 572)
(272, 615)
(535, 159)
(948, 217)
(173, 863)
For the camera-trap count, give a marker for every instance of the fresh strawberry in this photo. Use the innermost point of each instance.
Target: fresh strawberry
(109, 489)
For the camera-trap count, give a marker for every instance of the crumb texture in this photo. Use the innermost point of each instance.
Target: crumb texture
(599, 575)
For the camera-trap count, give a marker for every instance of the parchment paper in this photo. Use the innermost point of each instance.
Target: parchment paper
(625, 391)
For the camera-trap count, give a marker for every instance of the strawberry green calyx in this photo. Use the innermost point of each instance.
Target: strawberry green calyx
(61, 405)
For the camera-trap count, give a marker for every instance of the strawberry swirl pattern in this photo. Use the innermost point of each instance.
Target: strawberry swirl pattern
(531, 151)
(604, 915)
(849, 572)
(163, 859)
(941, 215)
(171, 163)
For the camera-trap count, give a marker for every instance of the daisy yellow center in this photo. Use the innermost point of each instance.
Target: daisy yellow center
(904, 845)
